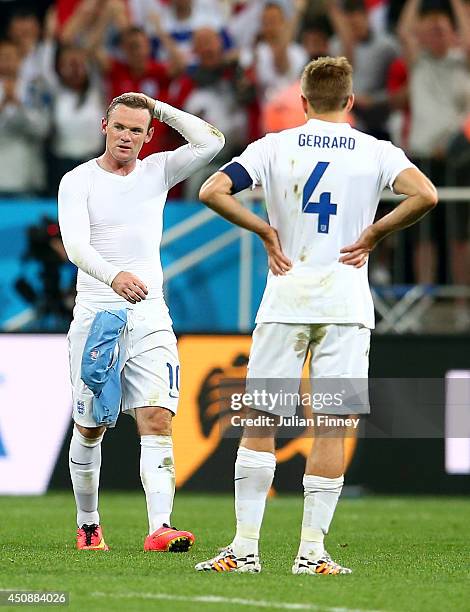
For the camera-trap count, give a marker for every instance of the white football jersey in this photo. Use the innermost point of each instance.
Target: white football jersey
(322, 182)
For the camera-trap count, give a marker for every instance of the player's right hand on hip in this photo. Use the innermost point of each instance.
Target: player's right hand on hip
(357, 254)
(278, 263)
(130, 287)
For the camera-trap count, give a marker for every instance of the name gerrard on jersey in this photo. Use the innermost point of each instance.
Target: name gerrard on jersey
(327, 142)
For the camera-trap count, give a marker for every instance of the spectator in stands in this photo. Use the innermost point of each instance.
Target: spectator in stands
(439, 74)
(24, 125)
(181, 18)
(81, 15)
(24, 30)
(378, 14)
(371, 56)
(279, 60)
(398, 91)
(284, 110)
(439, 85)
(77, 108)
(245, 23)
(82, 22)
(222, 94)
(315, 38)
(137, 71)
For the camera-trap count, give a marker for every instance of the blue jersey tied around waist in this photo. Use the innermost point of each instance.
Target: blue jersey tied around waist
(101, 364)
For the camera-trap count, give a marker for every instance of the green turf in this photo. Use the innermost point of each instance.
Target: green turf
(407, 554)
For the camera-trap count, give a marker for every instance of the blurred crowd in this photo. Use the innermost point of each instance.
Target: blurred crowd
(236, 64)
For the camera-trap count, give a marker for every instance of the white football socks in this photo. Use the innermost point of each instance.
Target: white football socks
(85, 464)
(254, 473)
(321, 496)
(157, 472)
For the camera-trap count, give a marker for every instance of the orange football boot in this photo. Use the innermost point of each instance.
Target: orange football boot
(169, 539)
(90, 537)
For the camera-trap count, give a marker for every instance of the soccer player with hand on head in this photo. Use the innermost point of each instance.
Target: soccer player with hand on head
(322, 183)
(110, 215)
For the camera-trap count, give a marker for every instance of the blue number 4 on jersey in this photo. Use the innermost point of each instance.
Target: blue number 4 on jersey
(324, 207)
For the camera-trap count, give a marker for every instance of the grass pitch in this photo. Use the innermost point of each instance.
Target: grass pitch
(406, 554)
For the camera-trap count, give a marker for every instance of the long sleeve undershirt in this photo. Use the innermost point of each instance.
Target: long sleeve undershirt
(169, 168)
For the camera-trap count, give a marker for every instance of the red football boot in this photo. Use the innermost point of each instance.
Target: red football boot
(90, 537)
(169, 539)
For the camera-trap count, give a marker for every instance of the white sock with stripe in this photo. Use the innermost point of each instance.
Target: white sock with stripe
(157, 472)
(254, 473)
(85, 465)
(321, 496)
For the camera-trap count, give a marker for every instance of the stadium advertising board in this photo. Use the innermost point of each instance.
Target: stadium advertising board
(207, 362)
(35, 409)
(458, 449)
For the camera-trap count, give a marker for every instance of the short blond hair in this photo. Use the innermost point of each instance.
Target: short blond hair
(326, 83)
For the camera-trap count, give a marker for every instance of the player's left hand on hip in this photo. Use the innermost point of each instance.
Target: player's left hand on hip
(357, 254)
(278, 263)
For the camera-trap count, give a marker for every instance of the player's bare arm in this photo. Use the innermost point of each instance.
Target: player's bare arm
(462, 20)
(406, 29)
(216, 194)
(422, 198)
(341, 27)
(176, 58)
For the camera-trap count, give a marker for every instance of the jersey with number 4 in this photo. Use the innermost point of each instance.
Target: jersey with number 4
(322, 183)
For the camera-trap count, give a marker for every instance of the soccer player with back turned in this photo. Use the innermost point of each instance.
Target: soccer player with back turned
(110, 215)
(322, 182)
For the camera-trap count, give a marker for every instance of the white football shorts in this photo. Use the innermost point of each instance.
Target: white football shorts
(150, 369)
(338, 351)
